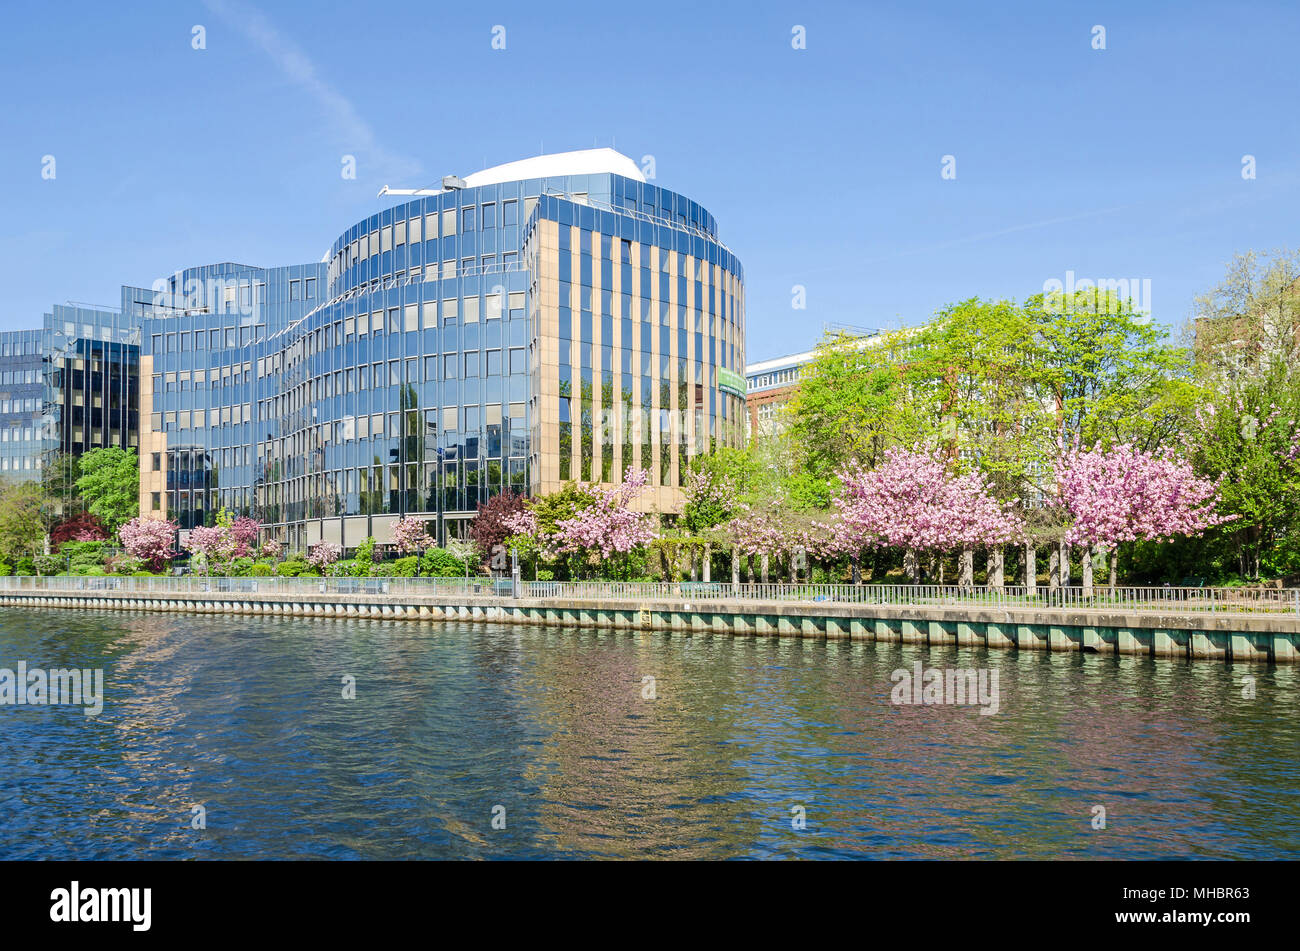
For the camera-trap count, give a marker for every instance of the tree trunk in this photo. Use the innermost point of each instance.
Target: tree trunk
(793, 558)
(763, 563)
(735, 565)
(1065, 564)
(708, 562)
(749, 563)
(1054, 568)
(1114, 567)
(994, 568)
(1031, 569)
(691, 554)
(856, 570)
(966, 571)
(911, 566)
(1085, 563)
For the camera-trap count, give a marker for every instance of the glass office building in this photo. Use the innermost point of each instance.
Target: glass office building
(551, 319)
(206, 334)
(22, 405)
(92, 377)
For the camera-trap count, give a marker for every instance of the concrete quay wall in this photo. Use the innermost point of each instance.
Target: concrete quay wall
(1222, 636)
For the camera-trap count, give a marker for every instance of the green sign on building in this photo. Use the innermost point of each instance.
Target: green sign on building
(731, 381)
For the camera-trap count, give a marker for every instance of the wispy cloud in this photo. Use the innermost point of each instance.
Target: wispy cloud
(355, 134)
(986, 235)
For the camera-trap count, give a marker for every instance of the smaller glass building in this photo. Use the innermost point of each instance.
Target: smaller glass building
(22, 405)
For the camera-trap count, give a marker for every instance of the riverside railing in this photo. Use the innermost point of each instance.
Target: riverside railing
(1099, 597)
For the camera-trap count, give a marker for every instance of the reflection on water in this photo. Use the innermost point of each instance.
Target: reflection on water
(246, 717)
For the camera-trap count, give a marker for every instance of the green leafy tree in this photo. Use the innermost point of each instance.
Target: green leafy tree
(851, 401)
(979, 372)
(1250, 435)
(1111, 376)
(23, 515)
(110, 484)
(714, 487)
(1250, 320)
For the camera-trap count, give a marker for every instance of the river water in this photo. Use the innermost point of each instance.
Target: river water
(738, 748)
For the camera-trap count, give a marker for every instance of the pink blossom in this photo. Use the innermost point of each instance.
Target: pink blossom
(149, 539)
(912, 500)
(411, 534)
(608, 524)
(1126, 494)
(323, 553)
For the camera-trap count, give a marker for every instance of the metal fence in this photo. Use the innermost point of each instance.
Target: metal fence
(1162, 599)
(202, 584)
(1158, 600)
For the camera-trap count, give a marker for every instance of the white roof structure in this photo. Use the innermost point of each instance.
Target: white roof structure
(581, 162)
(780, 363)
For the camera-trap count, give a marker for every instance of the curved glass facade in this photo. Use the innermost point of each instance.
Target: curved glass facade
(499, 334)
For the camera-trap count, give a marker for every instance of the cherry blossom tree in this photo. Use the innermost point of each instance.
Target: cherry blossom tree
(608, 525)
(323, 554)
(213, 547)
(243, 534)
(411, 534)
(754, 532)
(913, 501)
(149, 539)
(1126, 494)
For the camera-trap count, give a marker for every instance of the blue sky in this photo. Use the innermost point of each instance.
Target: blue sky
(822, 165)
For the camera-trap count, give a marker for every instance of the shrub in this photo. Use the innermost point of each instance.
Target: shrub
(364, 558)
(289, 568)
(26, 566)
(545, 574)
(123, 565)
(142, 574)
(82, 527)
(402, 567)
(240, 567)
(48, 564)
(323, 554)
(440, 563)
(261, 570)
(79, 548)
(6, 569)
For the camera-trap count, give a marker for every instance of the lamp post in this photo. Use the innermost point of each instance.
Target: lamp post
(441, 454)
